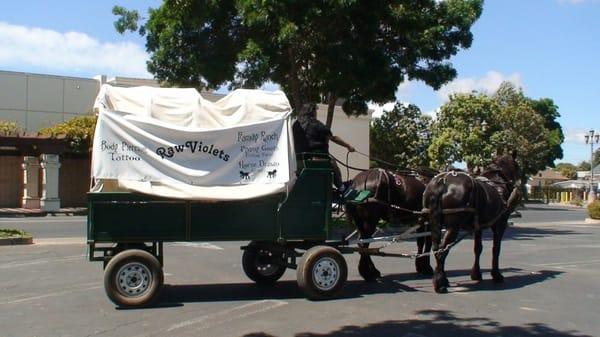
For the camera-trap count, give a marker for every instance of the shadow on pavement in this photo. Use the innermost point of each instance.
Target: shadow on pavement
(176, 295)
(531, 233)
(514, 278)
(440, 323)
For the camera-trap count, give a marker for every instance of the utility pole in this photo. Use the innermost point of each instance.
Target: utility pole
(591, 138)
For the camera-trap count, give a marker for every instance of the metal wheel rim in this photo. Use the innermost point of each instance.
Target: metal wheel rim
(133, 279)
(326, 273)
(265, 268)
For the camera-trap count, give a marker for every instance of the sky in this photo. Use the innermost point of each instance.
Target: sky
(549, 48)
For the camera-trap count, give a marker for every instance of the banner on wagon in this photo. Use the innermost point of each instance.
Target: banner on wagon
(134, 147)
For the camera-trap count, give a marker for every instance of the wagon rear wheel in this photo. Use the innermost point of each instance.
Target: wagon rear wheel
(262, 265)
(322, 272)
(133, 278)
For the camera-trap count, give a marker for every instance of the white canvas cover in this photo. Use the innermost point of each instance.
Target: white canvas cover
(174, 143)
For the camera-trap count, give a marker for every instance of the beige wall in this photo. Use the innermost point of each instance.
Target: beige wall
(35, 101)
(353, 130)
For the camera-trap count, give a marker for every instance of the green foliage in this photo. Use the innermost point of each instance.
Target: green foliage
(594, 210)
(127, 21)
(79, 132)
(9, 129)
(401, 136)
(462, 131)
(584, 166)
(596, 157)
(317, 51)
(471, 127)
(568, 170)
(546, 108)
(576, 202)
(13, 233)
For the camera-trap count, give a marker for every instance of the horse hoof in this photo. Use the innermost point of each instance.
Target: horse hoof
(476, 277)
(369, 275)
(497, 277)
(441, 290)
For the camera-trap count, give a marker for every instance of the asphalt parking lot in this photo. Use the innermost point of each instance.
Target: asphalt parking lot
(549, 259)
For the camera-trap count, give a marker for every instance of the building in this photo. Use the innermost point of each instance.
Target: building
(49, 181)
(546, 177)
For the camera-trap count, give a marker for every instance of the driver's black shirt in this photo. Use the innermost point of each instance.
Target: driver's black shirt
(314, 137)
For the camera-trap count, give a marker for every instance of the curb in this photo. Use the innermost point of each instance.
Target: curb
(40, 214)
(21, 215)
(27, 240)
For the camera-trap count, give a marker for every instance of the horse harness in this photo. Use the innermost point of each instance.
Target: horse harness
(397, 181)
(501, 186)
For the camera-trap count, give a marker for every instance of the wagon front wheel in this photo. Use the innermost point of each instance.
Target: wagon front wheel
(322, 272)
(133, 278)
(262, 265)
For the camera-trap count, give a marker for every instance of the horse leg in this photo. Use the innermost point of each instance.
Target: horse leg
(440, 281)
(477, 248)
(366, 267)
(422, 264)
(498, 231)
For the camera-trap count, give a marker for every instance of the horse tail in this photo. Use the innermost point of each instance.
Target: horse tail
(436, 212)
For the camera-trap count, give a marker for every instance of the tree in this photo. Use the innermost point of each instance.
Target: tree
(596, 157)
(401, 136)
(317, 51)
(520, 127)
(584, 166)
(511, 122)
(462, 130)
(567, 169)
(546, 108)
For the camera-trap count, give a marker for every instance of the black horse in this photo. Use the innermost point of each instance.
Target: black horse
(456, 200)
(395, 197)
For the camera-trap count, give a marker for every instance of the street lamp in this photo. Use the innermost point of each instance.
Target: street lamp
(591, 138)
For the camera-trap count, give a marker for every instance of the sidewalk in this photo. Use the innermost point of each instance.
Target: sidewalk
(24, 212)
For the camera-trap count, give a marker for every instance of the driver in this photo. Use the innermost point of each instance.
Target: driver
(310, 135)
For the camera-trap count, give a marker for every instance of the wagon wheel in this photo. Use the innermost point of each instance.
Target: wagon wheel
(262, 265)
(322, 272)
(133, 278)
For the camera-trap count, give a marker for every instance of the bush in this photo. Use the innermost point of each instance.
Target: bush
(79, 132)
(576, 202)
(13, 233)
(594, 210)
(9, 129)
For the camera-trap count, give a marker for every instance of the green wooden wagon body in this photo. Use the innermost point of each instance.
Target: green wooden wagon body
(127, 231)
(304, 214)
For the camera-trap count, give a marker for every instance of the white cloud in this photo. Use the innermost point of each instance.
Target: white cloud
(30, 46)
(577, 135)
(380, 109)
(486, 84)
(402, 95)
(576, 2)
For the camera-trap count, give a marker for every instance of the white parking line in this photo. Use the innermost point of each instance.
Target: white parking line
(205, 245)
(569, 263)
(53, 294)
(35, 262)
(207, 321)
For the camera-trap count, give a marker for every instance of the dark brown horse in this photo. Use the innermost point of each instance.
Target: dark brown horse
(394, 197)
(456, 200)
